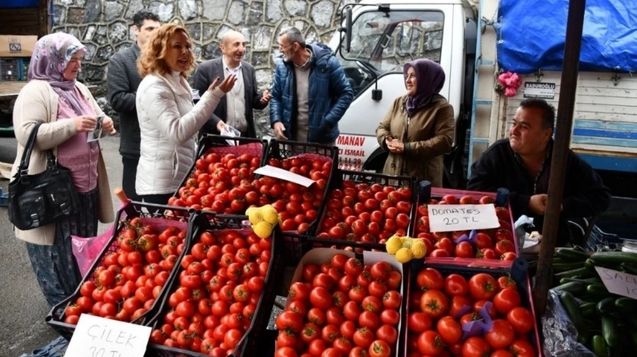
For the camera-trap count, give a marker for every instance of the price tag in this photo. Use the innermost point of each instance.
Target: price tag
(99, 337)
(286, 175)
(618, 282)
(448, 218)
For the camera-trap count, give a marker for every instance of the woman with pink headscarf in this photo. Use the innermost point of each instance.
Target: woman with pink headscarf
(68, 114)
(419, 127)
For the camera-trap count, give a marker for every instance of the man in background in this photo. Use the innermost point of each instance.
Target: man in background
(235, 108)
(122, 81)
(310, 92)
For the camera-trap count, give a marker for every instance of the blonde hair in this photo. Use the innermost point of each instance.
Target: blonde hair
(154, 51)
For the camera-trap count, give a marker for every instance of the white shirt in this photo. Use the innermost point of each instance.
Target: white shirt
(235, 99)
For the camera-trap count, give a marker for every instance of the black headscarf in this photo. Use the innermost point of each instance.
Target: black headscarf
(430, 77)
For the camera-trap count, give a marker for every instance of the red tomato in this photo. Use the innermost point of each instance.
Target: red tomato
(482, 286)
(464, 249)
(369, 319)
(506, 299)
(379, 348)
(434, 303)
(456, 284)
(320, 297)
(501, 334)
(390, 317)
(475, 347)
(449, 329)
(430, 343)
(391, 299)
(388, 334)
(460, 305)
(289, 320)
(522, 348)
(363, 337)
(521, 319)
(418, 322)
(430, 278)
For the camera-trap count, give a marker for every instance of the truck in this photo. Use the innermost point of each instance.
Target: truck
(377, 37)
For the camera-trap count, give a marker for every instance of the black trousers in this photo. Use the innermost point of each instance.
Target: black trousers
(129, 175)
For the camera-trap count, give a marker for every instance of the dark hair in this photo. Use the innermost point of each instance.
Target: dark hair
(293, 35)
(140, 16)
(548, 110)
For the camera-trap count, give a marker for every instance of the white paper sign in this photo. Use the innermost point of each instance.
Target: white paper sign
(99, 337)
(286, 175)
(618, 282)
(448, 218)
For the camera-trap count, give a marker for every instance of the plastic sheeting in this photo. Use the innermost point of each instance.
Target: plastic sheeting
(531, 35)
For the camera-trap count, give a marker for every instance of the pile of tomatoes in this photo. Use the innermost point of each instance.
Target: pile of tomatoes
(131, 274)
(364, 212)
(216, 292)
(486, 244)
(341, 308)
(226, 183)
(440, 307)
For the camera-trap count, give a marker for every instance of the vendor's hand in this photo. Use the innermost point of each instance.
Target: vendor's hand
(265, 98)
(85, 123)
(395, 146)
(537, 203)
(107, 126)
(225, 85)
(221, 125)
(279, 128)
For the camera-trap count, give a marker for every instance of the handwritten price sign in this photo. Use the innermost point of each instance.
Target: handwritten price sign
(448, 218)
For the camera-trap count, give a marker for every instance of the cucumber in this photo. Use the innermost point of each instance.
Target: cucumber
(596, 290)
(571, 254)
(592, 280)
(626, 306)
(629, 268)
(613, 259)
(606, 306)
(573, 311)
(581, 272)
(588, 309)
(565, 266)
(609, 331)
(574, 287)
(599, 346)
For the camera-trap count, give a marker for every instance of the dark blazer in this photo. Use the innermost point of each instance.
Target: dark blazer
(122, 81)
(204, 76)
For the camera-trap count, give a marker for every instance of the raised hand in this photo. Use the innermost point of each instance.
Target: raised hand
(225, 85)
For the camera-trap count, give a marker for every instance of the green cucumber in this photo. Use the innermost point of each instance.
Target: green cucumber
(596, 290)
(625, 305)
(565, 266)
(606, 306)
(609, 331)
(581, 272)
(573, 287)
(573, 311)
(628, 268)
(571, 254)
(599, 346)
(588, 309)
(613, 259)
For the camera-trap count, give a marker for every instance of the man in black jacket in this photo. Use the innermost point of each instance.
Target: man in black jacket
(123, 80)
(235, 108)
(522, 164)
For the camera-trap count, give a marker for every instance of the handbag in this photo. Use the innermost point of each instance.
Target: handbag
(44, 198)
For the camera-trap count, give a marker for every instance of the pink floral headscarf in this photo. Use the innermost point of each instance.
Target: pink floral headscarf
(50, 57)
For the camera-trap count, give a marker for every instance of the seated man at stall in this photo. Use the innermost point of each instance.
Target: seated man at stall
(522, 164)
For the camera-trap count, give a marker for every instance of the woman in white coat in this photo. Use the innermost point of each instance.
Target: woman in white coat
(168, 119)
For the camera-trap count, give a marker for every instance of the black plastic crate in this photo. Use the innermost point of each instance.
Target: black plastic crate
(130, 210)
(370, 179)
(249, 343)
(517, 271)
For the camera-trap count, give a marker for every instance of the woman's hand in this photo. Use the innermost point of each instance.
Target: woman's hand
(107, 126)
(85, 123)
(394, 145)
(225, 85)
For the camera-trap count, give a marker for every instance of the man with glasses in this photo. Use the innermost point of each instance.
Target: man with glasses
(235, 108)
(122, 81)
(310, 92)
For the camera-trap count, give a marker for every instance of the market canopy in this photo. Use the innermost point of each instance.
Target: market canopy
(531, 35)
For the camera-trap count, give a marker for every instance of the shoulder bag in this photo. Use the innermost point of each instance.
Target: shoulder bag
(44, 198)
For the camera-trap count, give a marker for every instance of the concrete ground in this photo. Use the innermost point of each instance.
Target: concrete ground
(22, 305)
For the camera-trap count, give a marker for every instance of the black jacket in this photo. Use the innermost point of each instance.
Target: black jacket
(204, 76)
(122, 81)
(584, 192)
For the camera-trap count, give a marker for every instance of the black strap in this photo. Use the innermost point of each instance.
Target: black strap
(23, 170)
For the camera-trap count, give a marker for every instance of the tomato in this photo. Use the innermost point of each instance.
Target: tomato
(309, 271)
(460, 305)
(482, 286)
(522, 348)
(379, 348)
(185, 309)
(505, 282)
(288, 320)
(357, 293)
(351, 310)
(449, 329)
(363, 337)
(316, 347)
(344, 345)
(320, 297)
(377, 288)
(329, 333)
(387, 333)
(309, 332)
(430, 342)
(506, 299)
(475, 347)
(394, 279)
(430, 278)
(353, 267)
(456, 284)
(371, 303)
(521, 319)
(391, 299)
(317, 316)
(501, 334)
(285, 352)
(418, 322)
(368, 319)
(434, 303)
(390, 317)
(464, 249)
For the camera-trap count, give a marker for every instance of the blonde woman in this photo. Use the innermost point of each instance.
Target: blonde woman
(168, 119)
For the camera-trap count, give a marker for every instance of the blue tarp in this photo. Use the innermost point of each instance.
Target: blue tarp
(531, 35)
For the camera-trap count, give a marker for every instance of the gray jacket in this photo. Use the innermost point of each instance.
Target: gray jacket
(123, 80)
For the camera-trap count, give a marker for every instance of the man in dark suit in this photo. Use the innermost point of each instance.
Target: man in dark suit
(235, 108)
(122, 81)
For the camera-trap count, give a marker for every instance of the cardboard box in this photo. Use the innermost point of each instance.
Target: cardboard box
(17, 46)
